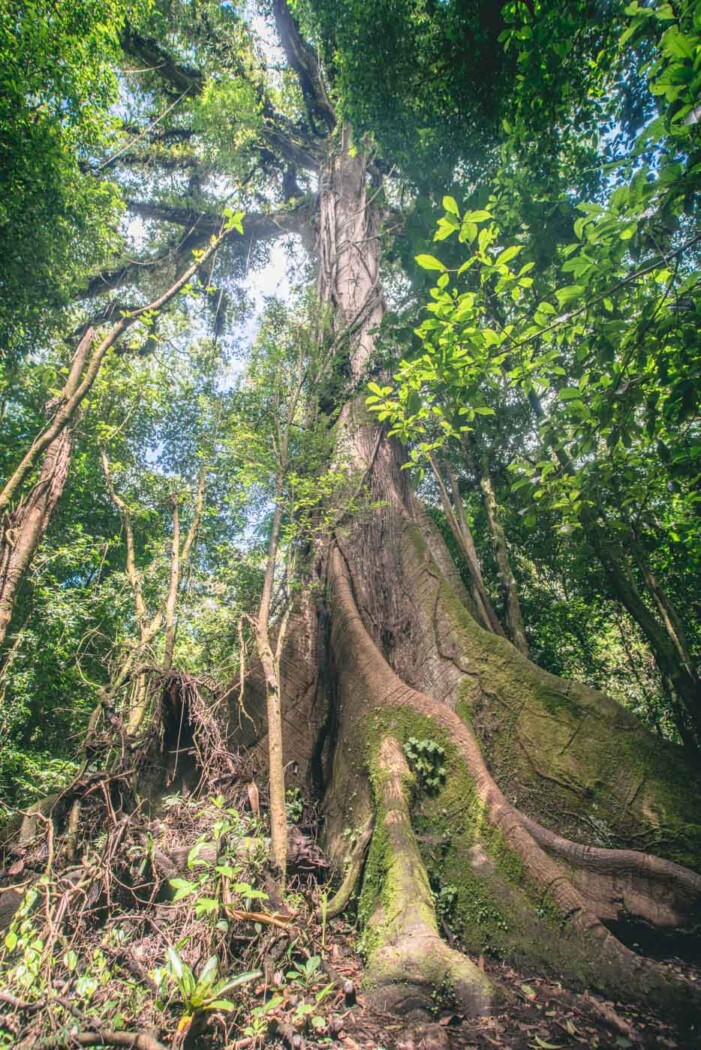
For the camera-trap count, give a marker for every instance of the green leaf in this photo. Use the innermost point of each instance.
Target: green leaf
(569, 293)
(208, 976)
(468, 231)
(508, 254)
(429, 262)
(236, 982)
(176, 963)
(451, 205)
(221, 1004)
(183, 888)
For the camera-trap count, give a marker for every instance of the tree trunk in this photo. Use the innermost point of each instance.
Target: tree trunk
(675, 669)
(514, 620)
(665, 642)
(172, 596)
(273, 699)
(531, 762)
(462, 534)
(26, 526)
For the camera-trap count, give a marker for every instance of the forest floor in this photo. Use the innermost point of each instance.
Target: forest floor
(123, 941)
(542, 1014)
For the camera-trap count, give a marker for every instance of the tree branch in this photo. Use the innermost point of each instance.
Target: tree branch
(304, 61)
(181, 77)
(68, 408)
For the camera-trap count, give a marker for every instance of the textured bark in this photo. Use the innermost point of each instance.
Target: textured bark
(514, 620)
(462, 534)
(539, 770)
(26, 526)
(349, 252)
(411, 961)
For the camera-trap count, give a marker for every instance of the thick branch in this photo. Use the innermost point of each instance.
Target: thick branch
(158, 60)
(305, 62)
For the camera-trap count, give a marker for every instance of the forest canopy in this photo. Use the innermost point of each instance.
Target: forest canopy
(349, 498)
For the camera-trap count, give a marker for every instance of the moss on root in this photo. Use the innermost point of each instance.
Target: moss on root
(496, 908)
(409, 966)
(564, 753)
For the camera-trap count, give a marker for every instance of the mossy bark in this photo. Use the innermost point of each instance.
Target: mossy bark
(532, 760)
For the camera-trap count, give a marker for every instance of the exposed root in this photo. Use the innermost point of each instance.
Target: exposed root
(364, 669)
(411, 963)
(623, 883)
(339, 902)
(616, 861)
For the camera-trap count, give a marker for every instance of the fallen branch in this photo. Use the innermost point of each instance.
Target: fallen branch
(102, 1037)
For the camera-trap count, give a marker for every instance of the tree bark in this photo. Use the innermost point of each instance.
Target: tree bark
(271, 671)
(26, 526)
(523, 750)
(514, 619)
(462, 534)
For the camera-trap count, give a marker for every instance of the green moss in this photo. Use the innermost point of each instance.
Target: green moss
(374, 891)
(565, 753)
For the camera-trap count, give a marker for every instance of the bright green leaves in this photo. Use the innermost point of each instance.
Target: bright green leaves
(429, 262)
(233, 220)
(57, 220)
(204, 991)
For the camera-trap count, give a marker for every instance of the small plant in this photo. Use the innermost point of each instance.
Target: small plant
(259, 1018)
(306, 973)
(295, 806)
(445, 900)
(204, 992)
(427, 760)
(210, 877)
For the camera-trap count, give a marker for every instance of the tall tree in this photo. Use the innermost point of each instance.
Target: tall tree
(548, 786)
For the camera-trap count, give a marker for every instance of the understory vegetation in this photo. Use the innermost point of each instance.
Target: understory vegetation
(350, 647)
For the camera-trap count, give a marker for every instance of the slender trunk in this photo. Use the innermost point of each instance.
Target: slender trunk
(462, 534)
(172, 598)
(514, 619)
(148, 629)
(273, 700)
(664, 643)
(668, 613)
(26, 526)
(68, 406)
(681, 678)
